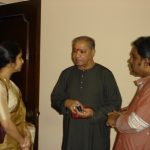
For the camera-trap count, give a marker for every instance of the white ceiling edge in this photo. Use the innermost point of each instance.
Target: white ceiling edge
(4, 2)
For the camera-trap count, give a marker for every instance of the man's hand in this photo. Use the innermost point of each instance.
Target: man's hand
(72, 105)
(86, 113)
(78, 109)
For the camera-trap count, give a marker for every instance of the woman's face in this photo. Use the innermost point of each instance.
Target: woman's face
(18, 63)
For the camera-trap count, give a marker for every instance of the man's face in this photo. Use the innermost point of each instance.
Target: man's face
(82, 55)
(136, 63)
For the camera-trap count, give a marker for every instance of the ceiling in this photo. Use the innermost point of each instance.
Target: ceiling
(4, 2)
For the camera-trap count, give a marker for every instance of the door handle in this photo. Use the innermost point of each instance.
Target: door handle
(32, 116)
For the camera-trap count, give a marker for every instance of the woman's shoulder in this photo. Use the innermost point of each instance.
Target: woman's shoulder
(2, 85)
(3, 88)
(13, 85)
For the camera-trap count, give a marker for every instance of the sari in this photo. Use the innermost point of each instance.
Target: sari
(10, 94)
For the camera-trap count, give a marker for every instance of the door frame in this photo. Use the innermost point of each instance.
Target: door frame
(32, 12)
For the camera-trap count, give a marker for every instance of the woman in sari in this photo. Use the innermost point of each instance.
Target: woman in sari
(12, 108)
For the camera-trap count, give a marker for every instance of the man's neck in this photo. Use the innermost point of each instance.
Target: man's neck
(91, 65)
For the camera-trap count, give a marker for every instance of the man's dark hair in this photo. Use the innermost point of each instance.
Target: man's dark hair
(143, 46)
(90, 41)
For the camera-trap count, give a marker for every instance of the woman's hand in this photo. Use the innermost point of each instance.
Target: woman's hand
(26, 148)
(26, 144)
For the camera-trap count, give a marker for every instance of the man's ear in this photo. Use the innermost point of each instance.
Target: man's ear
(93, 52)
(146, 62)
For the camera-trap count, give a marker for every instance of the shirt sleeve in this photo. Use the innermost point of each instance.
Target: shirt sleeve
(137, 123)
(131, 124)
(123, 126)
(4, 111)
(139, 119)
(143, 109)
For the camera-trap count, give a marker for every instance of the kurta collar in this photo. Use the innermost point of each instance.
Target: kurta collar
(95, 64)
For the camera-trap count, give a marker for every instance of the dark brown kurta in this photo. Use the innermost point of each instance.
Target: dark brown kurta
(95, 88)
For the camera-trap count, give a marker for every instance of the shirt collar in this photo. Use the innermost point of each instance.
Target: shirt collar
(142, 81)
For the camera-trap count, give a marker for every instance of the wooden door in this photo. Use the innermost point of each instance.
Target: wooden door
(21, 22)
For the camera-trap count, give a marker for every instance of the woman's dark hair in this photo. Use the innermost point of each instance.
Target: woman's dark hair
(90, 41)
(143, 46)
(8, 52)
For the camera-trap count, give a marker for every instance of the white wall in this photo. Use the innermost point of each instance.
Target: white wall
(113, 25)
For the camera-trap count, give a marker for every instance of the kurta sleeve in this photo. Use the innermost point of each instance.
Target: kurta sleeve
(4, 111)
(58, 95)
(112, 98)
